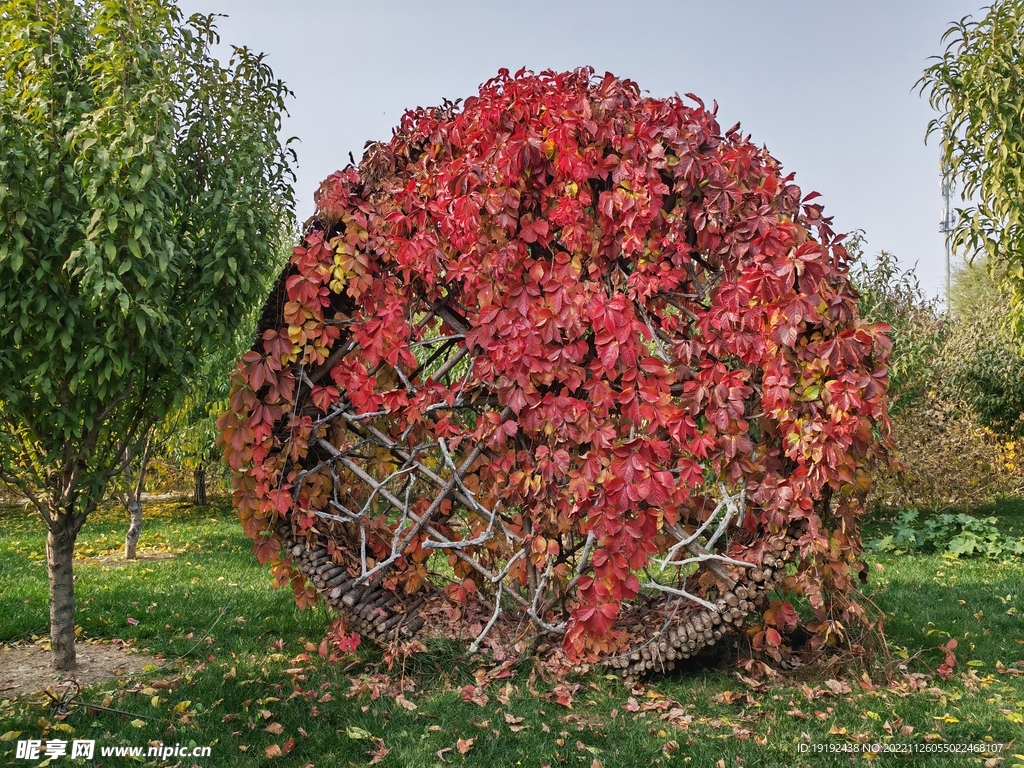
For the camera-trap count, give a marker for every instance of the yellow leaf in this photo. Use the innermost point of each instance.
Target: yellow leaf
(873, 715)
(137, 723)
(155, 701)
(181, 706)
(63, 727)
(10, 736)
(1014, 717)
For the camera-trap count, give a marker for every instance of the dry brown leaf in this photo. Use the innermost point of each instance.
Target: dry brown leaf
(379, 752)
(441, 752)
(404, 702)
(464, 745)
(838, 687)
(475, 694)
(272, 751)
(275, 728)
(505, 693)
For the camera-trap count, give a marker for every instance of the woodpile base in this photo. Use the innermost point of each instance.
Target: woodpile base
(673, 635)
(670, 630)
(376, 613)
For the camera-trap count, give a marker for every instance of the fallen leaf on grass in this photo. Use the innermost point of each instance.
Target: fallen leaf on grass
(475, 694)
(838, 687)
(355, 732)
(464, 745)
(733, 698)
(404, 702)
(563, 694)
(275, 728)
(441, 753)
(506, 693)
(379, 752)
(272, 751)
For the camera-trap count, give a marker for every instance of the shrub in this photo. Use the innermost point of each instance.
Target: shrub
(958, 535)
(580, 343)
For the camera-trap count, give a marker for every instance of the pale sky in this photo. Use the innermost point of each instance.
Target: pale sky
(827, 86)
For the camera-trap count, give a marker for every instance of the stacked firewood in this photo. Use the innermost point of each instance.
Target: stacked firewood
(666, 636)
(376, 613)
(684, 634)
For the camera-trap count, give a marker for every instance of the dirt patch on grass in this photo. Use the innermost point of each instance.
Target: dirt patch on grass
(26, 669)
(115, 558)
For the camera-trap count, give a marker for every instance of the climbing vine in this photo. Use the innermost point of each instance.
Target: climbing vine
(562, 353)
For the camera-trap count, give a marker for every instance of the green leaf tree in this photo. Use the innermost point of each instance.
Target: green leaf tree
(984, 370)
(889, 294)
(976, 86)
(143, 192)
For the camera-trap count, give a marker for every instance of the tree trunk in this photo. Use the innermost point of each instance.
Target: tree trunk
(199, 495)
(60, 549)
(132, 501)
(131, 539)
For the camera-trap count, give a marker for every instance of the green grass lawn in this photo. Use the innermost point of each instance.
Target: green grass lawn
(250, 685)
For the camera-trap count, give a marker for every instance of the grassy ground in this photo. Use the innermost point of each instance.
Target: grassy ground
(253, 691)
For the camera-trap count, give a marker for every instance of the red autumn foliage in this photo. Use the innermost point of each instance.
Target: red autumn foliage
(648, 310)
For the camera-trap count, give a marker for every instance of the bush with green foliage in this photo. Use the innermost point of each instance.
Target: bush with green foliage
(983, 367)
(956, 386)
(956, 535)
(891, 295)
